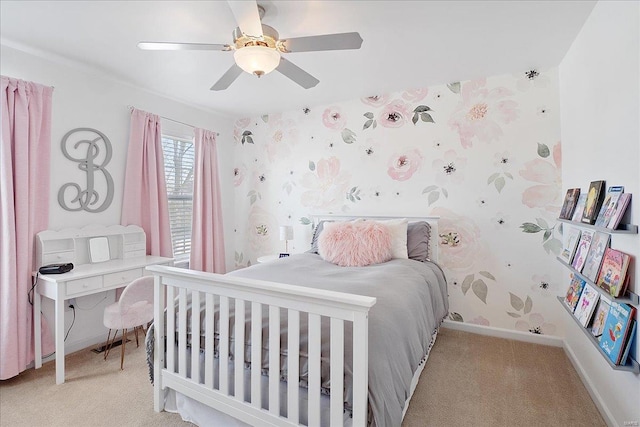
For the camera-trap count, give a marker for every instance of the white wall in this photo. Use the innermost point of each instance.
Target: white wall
(87, 98)
(600, 111)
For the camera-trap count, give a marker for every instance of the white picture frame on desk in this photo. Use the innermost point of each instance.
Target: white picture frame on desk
(99, 250)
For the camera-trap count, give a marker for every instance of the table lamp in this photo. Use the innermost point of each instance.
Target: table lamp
(286, 234)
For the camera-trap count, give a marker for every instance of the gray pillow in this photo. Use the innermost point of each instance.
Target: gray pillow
(316, 234)
(418, 240)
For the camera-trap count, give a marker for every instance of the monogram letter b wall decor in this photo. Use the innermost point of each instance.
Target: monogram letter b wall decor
(89, 143)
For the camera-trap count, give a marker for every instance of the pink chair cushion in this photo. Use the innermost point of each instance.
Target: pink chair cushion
(355, 243)
(135, 307)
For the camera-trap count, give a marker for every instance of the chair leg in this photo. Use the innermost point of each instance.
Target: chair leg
(124, 341)
(110, 344)
(106, 345)
(135, 330)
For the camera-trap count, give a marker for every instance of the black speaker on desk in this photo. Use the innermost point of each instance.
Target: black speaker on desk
(56, 268)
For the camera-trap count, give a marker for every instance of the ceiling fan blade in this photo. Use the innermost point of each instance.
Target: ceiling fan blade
(341, 41)
(227, 78)
(247, 17)
(297, 74)
(181, 46)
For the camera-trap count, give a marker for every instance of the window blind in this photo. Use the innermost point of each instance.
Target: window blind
(178, 169)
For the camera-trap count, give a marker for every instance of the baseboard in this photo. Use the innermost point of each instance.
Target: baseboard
(73, 347)
(544, 340)
(504, 333)
(591, 389)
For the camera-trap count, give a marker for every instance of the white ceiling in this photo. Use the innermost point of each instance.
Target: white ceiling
(407, 44)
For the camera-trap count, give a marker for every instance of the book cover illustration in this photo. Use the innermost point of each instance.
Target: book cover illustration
(596, 252)
(600, 317)
(570, 237)
(609, 205)
(569, 205)
(621, 208)
(616, 331)
(613, 271)
(595, 197)
(586, 305)
(574, 292)
(579, 210)
(582, 250)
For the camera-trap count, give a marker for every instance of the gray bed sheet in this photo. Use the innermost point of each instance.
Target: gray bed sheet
(411, 303)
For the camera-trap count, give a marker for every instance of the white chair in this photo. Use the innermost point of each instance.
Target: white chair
(133, 310)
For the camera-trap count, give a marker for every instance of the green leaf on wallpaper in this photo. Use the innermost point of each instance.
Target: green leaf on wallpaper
(542, 223)
(414, 119)
(348, 136)
(516, 302)
(429, 188)
(488, 275)
(305, 221)
(493, 177)
(288, 187)
(466, 283)
(553, 246)
(456, 317)
(445, 192)
(529, 227)
(238, 257)
(516, 315)
(312, 166)
(543, 150)
(454, 87)
(265, 118)
(426, 117)
(479, 288)
(528, 305)
(375, 123)
(367, 124)
(433, 197)
(508, 175)
(546, 235)
(499, 183)
(368, 115)
(421, 109)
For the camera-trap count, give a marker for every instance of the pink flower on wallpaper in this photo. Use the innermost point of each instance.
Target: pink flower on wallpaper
(415, 95)
(481, 112)
(376, 100)
(536, 325)
(281, 137)
(239, 127)
(546, 194)
(480, 321)
(239, 174)
(333, 118)
(326, 186)
(450, 168)
(394, 114)
(261, 230)
(403, 166)
(460, 240)
(242, 123)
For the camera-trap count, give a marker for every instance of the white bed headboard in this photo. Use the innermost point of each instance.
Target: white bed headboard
(431, 220)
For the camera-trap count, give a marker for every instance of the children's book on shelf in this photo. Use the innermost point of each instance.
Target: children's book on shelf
(569, 205)
(575, 290)
(613, 272)
(595, 197)
(621, 208)
(616, 331)
(600, 317)
(592, 264)
(579, 210)
(627, 347)
(570, 238)
(609, 205)
(583, 249)
(586, 305)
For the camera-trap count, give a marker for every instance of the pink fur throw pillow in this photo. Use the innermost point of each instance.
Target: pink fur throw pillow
(355, 243)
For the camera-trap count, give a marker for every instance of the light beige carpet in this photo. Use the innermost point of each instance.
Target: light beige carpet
(469, 380)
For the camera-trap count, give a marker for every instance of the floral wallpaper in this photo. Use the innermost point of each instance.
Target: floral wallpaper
(484, 155)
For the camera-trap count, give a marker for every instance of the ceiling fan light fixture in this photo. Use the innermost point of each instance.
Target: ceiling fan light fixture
(257, 60)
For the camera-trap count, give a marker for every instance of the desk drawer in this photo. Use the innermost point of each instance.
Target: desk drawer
(83, 285)
(122, 277)
(58, 257)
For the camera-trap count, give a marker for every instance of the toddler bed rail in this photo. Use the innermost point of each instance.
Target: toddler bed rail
(226, 394)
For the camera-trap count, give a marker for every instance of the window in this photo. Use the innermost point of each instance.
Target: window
(178, 170)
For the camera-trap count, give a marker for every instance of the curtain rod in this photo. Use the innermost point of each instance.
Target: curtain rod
(131, 107)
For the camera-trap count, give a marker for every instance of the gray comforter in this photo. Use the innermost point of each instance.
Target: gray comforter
(411, 303)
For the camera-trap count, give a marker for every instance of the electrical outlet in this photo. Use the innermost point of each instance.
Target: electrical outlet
(69, 303)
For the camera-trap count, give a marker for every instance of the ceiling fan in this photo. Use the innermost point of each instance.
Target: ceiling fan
(258, 48)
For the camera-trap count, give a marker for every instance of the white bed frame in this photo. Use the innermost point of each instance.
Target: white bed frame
(229, 396)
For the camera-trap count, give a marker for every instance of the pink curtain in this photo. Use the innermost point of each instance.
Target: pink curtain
(207, 233)
(25, 150)
(145, 191)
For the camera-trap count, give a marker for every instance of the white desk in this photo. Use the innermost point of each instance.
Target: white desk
(85, 279)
